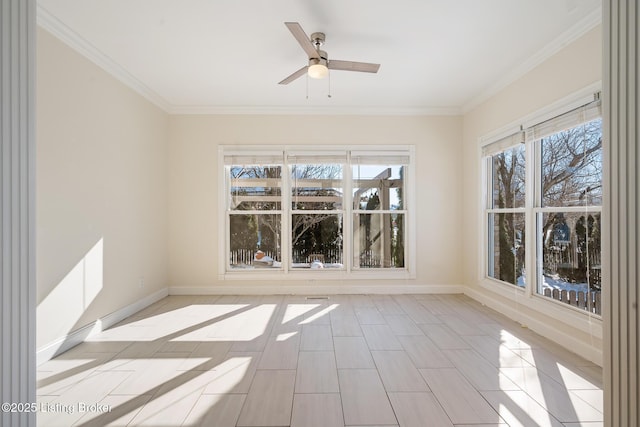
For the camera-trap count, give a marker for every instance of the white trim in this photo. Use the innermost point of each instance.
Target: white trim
(555, 311)
(545, 328)
(314, 289)
(301, 110)
(285, 272)
(59, 29)
(78, 336)
(585, 25)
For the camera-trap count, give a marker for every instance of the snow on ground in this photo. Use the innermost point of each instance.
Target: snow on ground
(554, 282)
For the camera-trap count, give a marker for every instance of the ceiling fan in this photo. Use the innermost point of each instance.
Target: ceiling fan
(319, 62)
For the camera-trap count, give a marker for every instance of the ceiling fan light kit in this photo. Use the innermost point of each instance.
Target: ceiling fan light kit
(318, 68)
(319, 63)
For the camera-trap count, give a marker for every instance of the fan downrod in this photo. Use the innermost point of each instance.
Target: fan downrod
(317, 39)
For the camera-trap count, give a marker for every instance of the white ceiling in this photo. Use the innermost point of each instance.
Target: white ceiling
(227, 56)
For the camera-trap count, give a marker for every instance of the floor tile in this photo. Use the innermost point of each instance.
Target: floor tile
(460, 325)
(397, 372)
(155, 373)
(64, 410)
(364, 400)
(562, 371)
(479, 372)
(280, 353)
(206, 355)
(563, 404)
(444, 337)
(219, 410)
(352, 352)
(386, 305)
(519, 410)
(123, 409)
(270, 399)
(316, 338)
(345, 324)
(169, 408)
(194, 360)
(319, 316)
(424, 353)
(416, 311)
(462, 403)
(380, 337)
(401, 324)
(416, 409)
(317, 372)
(57, 375)
(495, 353)
(317, 410)
(369, 316)
(235, 374)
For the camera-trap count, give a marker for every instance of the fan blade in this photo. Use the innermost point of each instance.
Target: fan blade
(294, 76)
(365, 67)
(303, 39)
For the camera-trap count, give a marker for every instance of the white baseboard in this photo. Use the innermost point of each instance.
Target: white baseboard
(343, 289)
(78, 336)
(539, 326)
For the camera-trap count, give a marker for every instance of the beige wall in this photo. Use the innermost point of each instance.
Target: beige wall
(101, 193)
(194, 185)
(577, 66)
(127, 192)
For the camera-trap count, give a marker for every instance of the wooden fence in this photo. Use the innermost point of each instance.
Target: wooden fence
(246, 256)
(589, 301)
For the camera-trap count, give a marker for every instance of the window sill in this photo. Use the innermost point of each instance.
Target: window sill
(555, 310)
(318, 275)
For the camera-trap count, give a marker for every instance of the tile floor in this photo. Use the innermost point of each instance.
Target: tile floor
(357, 360)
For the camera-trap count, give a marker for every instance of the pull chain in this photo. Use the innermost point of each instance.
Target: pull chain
(329, 82)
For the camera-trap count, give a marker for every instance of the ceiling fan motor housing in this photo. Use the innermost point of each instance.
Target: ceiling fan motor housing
(317, 39)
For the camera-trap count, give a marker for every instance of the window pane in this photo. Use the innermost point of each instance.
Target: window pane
(255, 187)
(316, 186)
(508, 178)
(378, 187)
(379, 240)
(572, 166)
(506, 247)
(571, 250)
(316, 241)
(255, 241)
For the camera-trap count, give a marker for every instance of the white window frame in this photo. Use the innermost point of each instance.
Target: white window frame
(349, 271)
(528, 295)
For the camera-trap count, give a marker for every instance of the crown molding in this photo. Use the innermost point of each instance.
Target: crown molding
(52, 24)
(55, 26)
(313, 110)
(585, 25)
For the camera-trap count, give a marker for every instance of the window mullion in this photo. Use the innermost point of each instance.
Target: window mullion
(532, 175)
(285, 239)
(347, 216)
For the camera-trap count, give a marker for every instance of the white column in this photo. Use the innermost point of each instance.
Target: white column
(621, 235)
(17, 213)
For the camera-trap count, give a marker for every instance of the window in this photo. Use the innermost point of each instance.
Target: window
(379, 211)
(506, 213)
(562, 157)
(317, 211)
(294, 210)
(254, 212)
